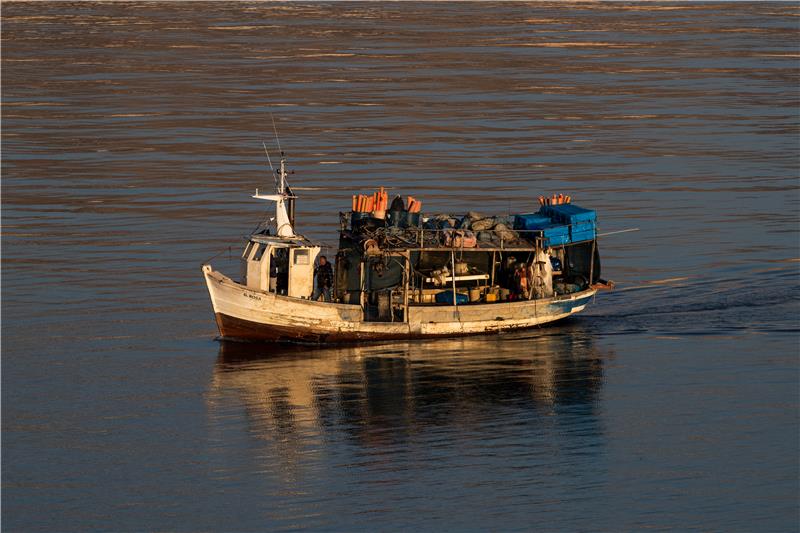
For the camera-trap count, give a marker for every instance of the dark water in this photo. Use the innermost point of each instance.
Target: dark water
(131, 140)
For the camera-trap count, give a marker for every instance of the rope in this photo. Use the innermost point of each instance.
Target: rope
(229, 249)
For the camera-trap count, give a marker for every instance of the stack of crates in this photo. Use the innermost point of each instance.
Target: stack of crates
(531, 221)
(554, 233)
(582, 222)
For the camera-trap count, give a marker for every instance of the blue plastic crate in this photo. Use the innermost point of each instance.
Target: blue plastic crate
(555, 235)
(556, 240)
(582, 228)
(585, 235)
(446, 297)
(531, 221)
(568, 213)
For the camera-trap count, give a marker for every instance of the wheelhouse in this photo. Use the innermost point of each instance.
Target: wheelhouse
(278, 265)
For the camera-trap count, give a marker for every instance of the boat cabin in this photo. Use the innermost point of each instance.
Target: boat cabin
(279, 265)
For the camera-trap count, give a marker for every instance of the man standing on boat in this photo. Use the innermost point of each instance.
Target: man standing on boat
(323, 274)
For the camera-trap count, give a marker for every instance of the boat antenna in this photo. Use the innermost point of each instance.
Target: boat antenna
(270, 162)
(267, 152)
(276, 133)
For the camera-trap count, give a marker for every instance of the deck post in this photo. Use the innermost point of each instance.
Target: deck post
(362, 292)
(407, 277)
(453, 275)
(535, 270)
(494, 261)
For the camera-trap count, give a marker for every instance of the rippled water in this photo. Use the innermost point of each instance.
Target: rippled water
(131, 141)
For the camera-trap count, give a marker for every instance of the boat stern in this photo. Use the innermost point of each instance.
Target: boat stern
(572, 303)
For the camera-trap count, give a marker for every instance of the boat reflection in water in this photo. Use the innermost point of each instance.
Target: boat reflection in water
(303, 398)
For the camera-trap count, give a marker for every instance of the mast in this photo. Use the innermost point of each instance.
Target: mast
(284, 203)
(287, 191)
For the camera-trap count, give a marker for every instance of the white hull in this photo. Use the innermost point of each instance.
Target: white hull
(248, 314)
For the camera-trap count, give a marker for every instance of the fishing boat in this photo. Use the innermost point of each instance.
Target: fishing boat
(399, 274)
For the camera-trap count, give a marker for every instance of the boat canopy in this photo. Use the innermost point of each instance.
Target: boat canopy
(281, 242)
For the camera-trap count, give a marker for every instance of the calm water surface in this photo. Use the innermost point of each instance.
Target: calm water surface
(131, 141)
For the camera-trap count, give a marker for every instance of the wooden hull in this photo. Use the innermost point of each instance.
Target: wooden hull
(253, 315)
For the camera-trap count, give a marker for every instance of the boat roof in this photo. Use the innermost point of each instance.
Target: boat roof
(281, 242)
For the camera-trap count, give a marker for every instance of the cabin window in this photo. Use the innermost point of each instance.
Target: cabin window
(247, 250)
(301, 257)
(259, 252)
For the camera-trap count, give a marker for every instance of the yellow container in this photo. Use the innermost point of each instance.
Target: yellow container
(491, 297)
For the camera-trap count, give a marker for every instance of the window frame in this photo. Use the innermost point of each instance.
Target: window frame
(259, 253)
(305, 253)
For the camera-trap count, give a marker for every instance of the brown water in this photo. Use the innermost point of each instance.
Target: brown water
(131, 140)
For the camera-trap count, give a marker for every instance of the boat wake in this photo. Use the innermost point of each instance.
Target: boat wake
(757, 301)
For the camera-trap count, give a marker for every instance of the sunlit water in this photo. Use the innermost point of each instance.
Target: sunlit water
(132, 138)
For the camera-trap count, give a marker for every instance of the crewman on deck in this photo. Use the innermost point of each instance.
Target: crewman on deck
(323, 274)
(522, 281)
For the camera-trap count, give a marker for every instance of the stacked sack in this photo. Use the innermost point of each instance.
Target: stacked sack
(471, 228)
